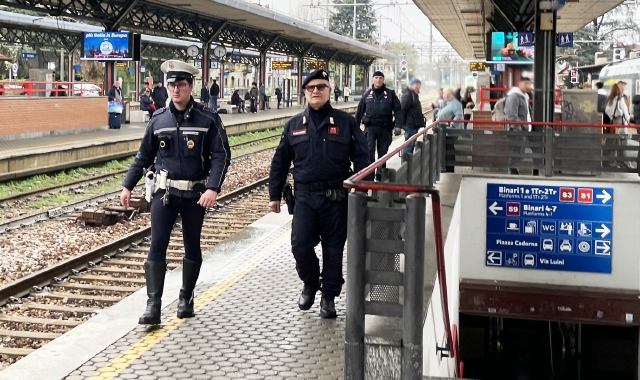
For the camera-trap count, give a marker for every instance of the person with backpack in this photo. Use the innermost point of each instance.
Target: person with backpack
(516, 108)
(412, 112)
(379, 110)
(602, 97)
(617, 113)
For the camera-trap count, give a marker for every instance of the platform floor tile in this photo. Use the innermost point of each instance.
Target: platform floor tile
(249, 327)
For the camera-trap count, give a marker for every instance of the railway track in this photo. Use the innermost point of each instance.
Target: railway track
(43, 305)
(78, 187)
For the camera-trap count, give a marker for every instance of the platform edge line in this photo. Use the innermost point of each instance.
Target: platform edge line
(126, 358)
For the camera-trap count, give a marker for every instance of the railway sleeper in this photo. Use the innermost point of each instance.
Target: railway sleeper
(39, 321)
(97, 288)
(132, 263)
(59, 308)
(174, 259)
(82, 297)
(29, 334)
(15, 352)
(107, 279)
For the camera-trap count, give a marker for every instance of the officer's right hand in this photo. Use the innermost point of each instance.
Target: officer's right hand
(397, 131)
(125, 196)
(274, 206)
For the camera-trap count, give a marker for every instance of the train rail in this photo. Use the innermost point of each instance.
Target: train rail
(43, 305)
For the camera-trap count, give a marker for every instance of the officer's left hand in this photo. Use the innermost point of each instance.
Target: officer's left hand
(397, 131)
(208, 199)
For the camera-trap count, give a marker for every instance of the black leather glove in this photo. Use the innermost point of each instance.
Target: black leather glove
(397, 131)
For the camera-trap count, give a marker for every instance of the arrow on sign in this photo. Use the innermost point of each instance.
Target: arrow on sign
(494, 208)
(495, 258)
(604, 196)
(604, 231)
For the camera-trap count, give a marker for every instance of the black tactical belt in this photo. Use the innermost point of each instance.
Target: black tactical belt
(318, 186)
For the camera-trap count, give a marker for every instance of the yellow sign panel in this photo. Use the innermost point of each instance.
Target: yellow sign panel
(281, 65)
(477, 66)
(316, 65)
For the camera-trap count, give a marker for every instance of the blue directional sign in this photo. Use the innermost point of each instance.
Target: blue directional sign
(549, 227)
(236, 57)
(565, 40)
(28, 55)
(525, 39)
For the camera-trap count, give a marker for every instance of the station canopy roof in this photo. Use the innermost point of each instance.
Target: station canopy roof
(233, 23)
(465, 23)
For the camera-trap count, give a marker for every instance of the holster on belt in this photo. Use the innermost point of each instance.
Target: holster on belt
(287, 194)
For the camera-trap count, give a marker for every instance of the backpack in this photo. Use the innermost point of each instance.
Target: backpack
(497, 113)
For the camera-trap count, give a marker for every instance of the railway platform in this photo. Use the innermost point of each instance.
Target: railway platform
(29, 156)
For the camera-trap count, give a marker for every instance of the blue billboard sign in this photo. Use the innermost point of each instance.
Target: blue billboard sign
(105, 46)
(549, 227)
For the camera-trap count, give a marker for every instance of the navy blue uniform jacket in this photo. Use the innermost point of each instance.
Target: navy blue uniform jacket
(319, 153)
(195, 148)
(380, 108)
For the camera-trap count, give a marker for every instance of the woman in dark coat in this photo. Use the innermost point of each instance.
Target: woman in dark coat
(278, 96)
(467, 105)
(237, 101)
(146, 104)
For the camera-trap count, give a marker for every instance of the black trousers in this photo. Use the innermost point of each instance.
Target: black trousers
(254, 105)
(450, 155)
(316, 219)
(162, 220)
(380, 138)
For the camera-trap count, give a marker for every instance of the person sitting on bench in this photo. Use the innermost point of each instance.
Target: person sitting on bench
(237, 101)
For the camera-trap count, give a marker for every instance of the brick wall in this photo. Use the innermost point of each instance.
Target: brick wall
(22, 116)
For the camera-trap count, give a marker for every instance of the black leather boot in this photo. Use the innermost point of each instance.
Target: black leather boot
(154, 274)
(308, 295)
(327, 307)
(190, 273)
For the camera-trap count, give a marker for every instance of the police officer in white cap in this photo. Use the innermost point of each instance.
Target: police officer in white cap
(193, 157)
(321, 142)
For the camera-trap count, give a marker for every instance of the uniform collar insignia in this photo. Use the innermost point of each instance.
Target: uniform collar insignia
(304, 119)
(331, 120)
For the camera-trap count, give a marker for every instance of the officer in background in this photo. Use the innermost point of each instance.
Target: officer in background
(321, 142)
(193, 158)
(376, 110)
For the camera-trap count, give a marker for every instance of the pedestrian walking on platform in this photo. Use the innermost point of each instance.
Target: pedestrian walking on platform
(204, 95)
(193, 157)
(516, 108)
(380, 112)
(278, 96)
(253, 94)
(321, 142)
(453, 110)
(214, 93)
(412, 112)
(347, 92)
(160, 96)
(336, 93)
(263, 97)
(115, 107)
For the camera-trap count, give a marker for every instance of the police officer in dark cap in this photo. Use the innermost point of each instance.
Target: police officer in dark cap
(321, 142)
(193, 157)
(379, 110)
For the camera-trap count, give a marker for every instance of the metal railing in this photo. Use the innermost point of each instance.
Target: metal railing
(550, 148)
(381, 228)
(50, 89)
(486, 98)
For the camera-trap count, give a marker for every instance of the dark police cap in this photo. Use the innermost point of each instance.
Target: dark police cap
(318, 74)
(378, 74)
(177, 70)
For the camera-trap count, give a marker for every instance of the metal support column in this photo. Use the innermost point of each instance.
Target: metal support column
(262, 74)
(544, 65)
(136, 96)
(354, 324)
(221, 80)
(109, 75)
(413, 288)
(206, 57)
(70, 71)
(300, 68)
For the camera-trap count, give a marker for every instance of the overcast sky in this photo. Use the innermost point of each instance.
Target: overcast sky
(415, 25)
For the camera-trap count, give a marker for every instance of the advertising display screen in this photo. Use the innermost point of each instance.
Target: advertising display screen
(107, 46)
(503, 48)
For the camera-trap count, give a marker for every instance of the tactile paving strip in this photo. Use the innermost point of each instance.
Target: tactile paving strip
(254, 330)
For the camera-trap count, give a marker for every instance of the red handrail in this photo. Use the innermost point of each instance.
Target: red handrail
(357, 182)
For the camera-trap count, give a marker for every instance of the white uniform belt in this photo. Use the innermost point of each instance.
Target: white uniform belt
(180, 184)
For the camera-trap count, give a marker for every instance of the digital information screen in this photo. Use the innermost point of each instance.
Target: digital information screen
(503, 48)
(107, 46)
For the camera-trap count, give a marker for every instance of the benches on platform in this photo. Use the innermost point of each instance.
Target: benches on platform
(139, 116)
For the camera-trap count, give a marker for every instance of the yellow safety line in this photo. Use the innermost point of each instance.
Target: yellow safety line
(126, 358)
(67, 143)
